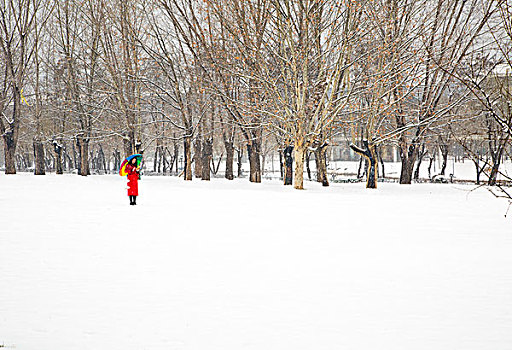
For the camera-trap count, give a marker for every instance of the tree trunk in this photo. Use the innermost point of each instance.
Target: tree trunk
(160, 159)
(69, 160)
(10, 132)
(187, 150)
(215, 167)
(129, 143)
(176, 156)
(407, 170)
(197, 157)
(83, 154)
(86, 170)
(308, 169)
(166, 165)
(9, 153)
(369, 152)
(493, 176)
(321, 165)
(300, 153)
(418, 165)
(239, 155)
(359, 175)
(281, 166)
(103, 161)
(57, 148)
(421, 155)
(117, 160)
(478, 171)
(317, 165)
(206, 157)
(155, 158)
(50, 162)
(253, 152)
(39, 161)
(288, 166)
(371, 177)
(230, 150)
(78, 157)
(417, 171)
(444, 153)
(382, 165)
(408, 156)
(138, 146)
(430, 163)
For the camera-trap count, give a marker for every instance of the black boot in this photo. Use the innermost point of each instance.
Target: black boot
(134, 200)
(131, 200)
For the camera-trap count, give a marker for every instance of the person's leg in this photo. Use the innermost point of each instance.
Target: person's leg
(134, 200)
(131, 200)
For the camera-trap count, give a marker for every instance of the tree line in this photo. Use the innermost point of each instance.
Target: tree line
(84, 84)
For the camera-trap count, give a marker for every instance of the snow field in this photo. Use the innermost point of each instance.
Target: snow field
(234, 265)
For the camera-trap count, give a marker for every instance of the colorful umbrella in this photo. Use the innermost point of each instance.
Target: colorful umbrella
(122, 168)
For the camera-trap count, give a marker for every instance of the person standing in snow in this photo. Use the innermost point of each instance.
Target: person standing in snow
(133, 178)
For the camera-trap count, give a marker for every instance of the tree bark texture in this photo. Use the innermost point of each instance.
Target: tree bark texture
(300, 153)
(9, 153)
(253, 151)
(39, 161)
(187, 150)
(206, 157)
(197, 157)
(321, 164)
(288, 165)
(369, 152)
(230, 151)
(57, 148)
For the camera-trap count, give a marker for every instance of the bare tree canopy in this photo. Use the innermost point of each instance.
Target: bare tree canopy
(194, 83)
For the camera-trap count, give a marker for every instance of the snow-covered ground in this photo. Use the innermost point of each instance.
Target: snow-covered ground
(234, 265)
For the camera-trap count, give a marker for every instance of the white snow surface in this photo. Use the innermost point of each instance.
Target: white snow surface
(226, 265)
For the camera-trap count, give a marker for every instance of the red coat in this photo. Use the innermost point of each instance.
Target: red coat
(133, 178)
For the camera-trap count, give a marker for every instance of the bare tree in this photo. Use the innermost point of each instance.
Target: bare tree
(79, 30)
(17, 23)
(120, 34)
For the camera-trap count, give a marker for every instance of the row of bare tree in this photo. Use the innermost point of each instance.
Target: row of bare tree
(188, 78)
